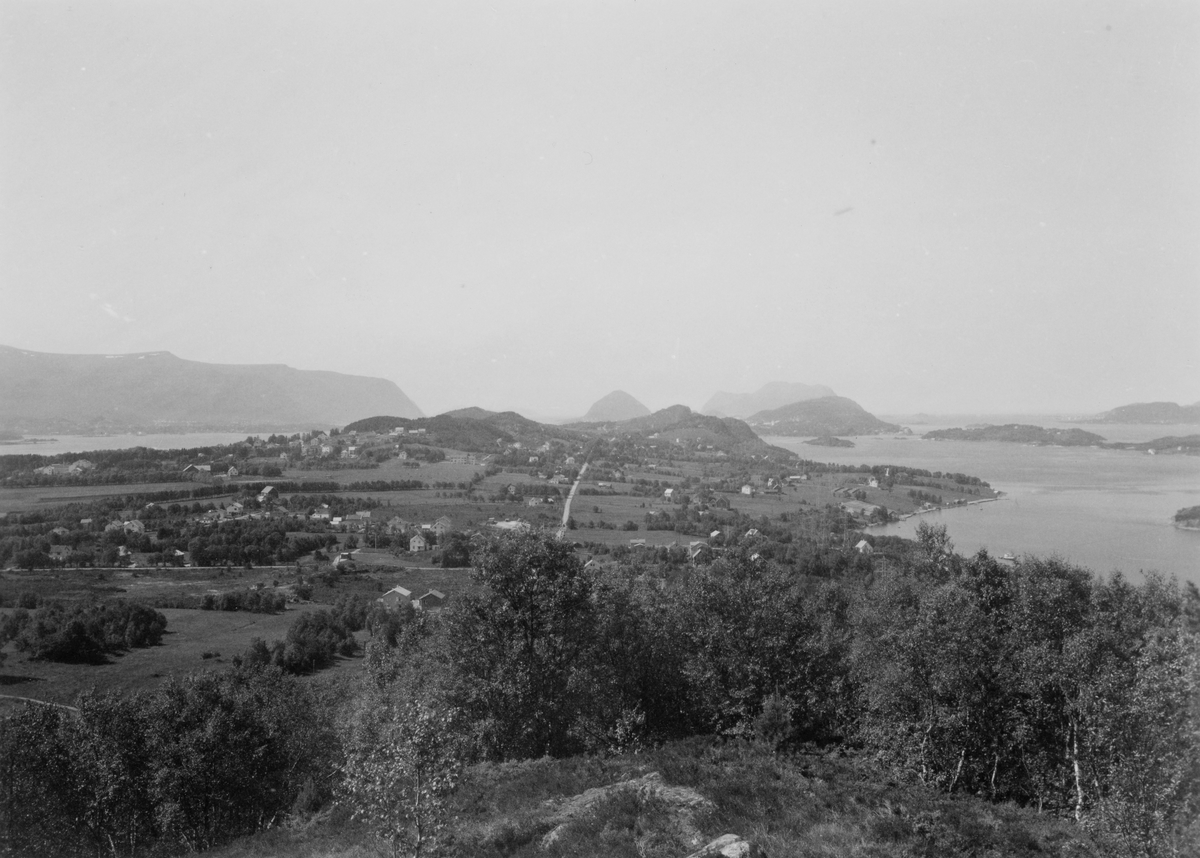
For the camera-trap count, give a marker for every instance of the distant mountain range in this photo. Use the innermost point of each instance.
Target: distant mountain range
(828, 415)
(618, 405)
(775, 394)
(1151, 412)
(157, 391)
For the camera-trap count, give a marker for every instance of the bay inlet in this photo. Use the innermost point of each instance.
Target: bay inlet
(1103, 509)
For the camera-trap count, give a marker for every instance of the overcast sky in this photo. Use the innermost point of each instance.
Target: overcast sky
(928, 206)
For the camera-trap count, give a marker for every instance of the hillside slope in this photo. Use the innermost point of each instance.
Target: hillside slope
(775, 394)
(473, 429)
(829, 415)
(677, 429)
(618, 405)
(667, 802)
(157, 391)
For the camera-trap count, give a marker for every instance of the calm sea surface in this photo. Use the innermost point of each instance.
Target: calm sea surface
(1103, 509)
(55, 444)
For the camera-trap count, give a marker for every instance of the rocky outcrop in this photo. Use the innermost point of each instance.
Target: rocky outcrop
(684, 803)
(728, 846)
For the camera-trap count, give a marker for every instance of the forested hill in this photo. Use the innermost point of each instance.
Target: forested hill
(157, 391)
(1152, 412)
(828, 415)
(679, 432)
(1019, 433)
(473, 430)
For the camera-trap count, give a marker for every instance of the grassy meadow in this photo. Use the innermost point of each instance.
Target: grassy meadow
(195, 639)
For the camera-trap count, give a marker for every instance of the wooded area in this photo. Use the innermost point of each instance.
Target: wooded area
(1033, 682)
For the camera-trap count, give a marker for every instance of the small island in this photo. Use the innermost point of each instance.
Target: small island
(1018, 433)
(1188, 518)
(829, 441)
(1188, 445)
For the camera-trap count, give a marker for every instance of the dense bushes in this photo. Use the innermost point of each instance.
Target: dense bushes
(251, 601)
(313, 640)
(194, 763)
(1032, 682)
(1036, 683)
(83, 632)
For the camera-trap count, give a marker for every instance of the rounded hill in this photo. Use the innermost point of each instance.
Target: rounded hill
(618, 405)
(828, 415)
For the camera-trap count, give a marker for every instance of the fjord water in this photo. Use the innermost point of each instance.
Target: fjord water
(1104, 509)
(53, 445)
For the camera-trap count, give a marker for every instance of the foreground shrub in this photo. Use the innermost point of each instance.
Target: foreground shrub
(197, 762)
(402, 764)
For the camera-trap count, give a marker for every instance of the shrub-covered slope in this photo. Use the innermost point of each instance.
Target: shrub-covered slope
(803, 802)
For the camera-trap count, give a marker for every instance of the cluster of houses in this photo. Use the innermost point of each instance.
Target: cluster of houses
(79, 466)
(704, 548)
(418, 541)
(209, 473)
(397, 596)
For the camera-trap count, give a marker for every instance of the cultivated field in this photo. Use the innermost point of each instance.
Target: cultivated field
(191, 633)
(33, 497)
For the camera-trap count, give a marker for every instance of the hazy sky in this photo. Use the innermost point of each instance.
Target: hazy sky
(928, 206)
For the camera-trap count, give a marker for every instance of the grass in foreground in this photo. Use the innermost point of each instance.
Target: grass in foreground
(813, 804)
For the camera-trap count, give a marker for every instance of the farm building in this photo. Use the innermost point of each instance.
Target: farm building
(431, 601)
(396, 597)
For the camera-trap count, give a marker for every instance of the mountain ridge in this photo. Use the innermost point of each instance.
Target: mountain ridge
(159, 391)
(773, 394)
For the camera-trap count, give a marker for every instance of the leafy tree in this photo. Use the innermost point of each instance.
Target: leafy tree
(38, 807)
(522, 646)
(456, 552)
(403, 761)
(742, 626)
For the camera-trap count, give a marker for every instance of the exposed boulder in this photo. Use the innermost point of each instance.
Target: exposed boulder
(684, 804)
(728, 846)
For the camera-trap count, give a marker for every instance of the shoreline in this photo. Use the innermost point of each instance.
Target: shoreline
(906, 516)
